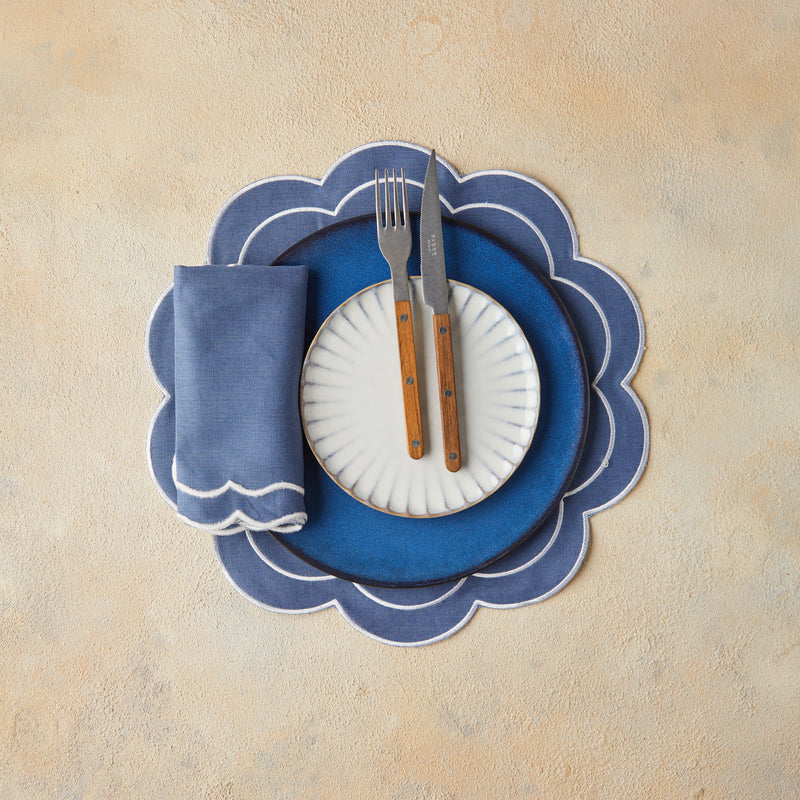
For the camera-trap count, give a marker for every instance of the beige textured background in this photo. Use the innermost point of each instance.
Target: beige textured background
(668, 668)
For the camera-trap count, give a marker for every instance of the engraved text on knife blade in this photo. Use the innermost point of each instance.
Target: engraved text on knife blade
(432, 246)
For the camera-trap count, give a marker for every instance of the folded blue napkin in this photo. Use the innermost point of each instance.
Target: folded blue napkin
(238, 438)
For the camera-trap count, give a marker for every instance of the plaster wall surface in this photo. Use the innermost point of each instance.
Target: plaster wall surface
(668, 668)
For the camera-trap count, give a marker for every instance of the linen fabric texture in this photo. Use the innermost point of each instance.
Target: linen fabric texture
(239, 334)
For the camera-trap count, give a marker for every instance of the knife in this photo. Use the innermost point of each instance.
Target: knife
(435, 292)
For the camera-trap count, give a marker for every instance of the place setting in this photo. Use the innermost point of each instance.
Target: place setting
(396, 390)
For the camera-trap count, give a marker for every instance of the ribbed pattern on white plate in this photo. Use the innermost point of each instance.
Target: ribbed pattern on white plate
(352, 408)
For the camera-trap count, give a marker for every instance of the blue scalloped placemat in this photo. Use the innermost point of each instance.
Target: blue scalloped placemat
(266, 218)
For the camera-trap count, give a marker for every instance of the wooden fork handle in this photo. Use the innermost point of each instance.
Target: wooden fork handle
(408, 372)
(447, 391)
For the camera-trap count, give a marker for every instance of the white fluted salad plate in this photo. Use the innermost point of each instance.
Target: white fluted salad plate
(352, 409)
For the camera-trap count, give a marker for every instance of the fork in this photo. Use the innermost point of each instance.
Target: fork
(394, 240)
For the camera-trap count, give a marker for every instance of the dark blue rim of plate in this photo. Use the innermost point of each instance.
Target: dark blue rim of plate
(293, 543)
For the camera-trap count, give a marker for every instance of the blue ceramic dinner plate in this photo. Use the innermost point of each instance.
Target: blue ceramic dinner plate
(348, 539)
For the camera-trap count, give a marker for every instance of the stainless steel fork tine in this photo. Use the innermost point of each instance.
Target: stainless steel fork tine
(378, 201)
(388, 218)
(396, 206)
(405, 196)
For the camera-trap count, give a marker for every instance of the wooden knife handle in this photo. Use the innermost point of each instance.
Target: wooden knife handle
(408, 372)
(447, 391)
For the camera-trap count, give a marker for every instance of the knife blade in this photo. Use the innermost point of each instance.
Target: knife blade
(435, 293)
